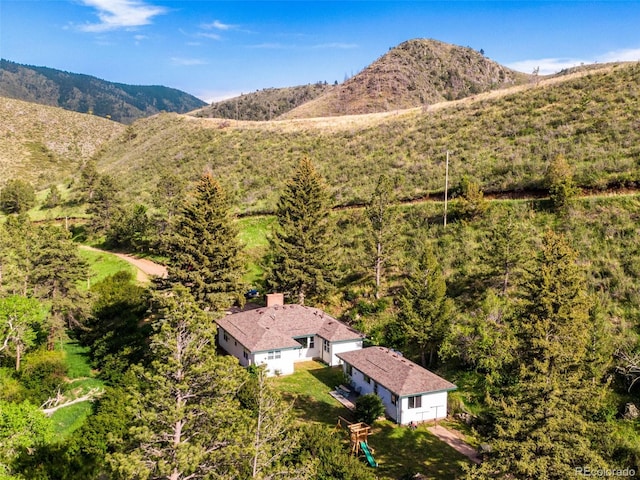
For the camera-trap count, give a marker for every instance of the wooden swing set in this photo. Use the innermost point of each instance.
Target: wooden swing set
(358, 432)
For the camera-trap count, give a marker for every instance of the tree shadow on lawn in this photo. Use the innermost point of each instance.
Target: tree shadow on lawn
(309, 386)
(310, 409)
(402, 452)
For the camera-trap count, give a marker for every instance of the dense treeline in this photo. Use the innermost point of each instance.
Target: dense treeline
(87, 94)
(530, 307)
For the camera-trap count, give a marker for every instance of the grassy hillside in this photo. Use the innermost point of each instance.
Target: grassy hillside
(46, 144)
(415, 73)
(84, 93)
(504, 139)
(265, 104)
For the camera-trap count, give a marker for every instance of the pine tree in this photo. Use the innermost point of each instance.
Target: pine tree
(507, 251)
(301, 246)
(17, 196)
(104, 202)
(187, 420)
(204, 249)
(272, 430)
(382, 225)
(20, 321)
(471, 205)
(57, 272)
(425, 311)
(543, 427)
(559, 179)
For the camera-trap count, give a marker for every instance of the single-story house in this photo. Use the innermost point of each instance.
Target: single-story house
(280, 335)
(409, 392)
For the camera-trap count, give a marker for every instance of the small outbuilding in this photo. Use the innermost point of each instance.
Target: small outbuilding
(409, 392)
(279, 335)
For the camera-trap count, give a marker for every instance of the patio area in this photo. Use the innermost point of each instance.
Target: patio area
(346, 396)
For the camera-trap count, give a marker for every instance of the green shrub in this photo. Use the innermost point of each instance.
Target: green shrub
(42, 374)
(368, 408)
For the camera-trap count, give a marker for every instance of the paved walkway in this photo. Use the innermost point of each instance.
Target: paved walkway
(456, 441)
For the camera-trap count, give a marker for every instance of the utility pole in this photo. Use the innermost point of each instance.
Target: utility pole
(446, 189)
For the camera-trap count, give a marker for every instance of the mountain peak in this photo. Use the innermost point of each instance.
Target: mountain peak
(415, 73)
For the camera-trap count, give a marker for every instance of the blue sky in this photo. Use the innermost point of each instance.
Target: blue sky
(218, 49)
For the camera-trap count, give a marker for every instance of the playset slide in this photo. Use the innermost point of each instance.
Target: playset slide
(367, 453)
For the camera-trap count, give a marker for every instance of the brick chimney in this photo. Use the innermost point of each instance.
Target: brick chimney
(275, 299)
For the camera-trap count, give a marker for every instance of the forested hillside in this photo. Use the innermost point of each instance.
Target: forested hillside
(87, 94)
(266, 104)
(505, 140)
(530, 305)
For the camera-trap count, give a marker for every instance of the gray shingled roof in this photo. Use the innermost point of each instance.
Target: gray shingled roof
(275, 327)
(394, 372)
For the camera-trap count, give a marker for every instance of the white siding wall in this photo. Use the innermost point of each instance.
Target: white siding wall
(341, 348)
(432, 404)
(310, 353)
(233, 347)
(280, 366)
(358, 381)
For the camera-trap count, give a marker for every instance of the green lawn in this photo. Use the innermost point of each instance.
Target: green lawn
(402, 452)
(102, 264)
(399, 451)
(66, 420)
(309, 389)
(253, 234)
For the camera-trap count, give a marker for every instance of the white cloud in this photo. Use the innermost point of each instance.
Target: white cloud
(212, 36)
(212, 96)
(546, 65)
(115, 14)
(187, 62)
(626, 55)
(270, 46)
(218, 25)
(336, 45)
(553, 65)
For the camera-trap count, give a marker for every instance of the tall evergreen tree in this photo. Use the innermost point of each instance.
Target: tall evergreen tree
(382, 225)
(58, 269)
(507, 251)
(187, 420)
(301, 247)
(274, 437)
(104, 203)
(425, 310)
(544, 428)
(204, 248)
(17, 196)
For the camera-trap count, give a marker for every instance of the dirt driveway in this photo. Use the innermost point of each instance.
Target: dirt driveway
(145, 268)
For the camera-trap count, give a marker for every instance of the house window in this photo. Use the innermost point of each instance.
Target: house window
(348, 369)
(274, 354)
(375, 388)
(394, 399)
(312, 342)
(225, 336)
(415, 402)
(366, 378)
(326, 345)
(246, 354)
